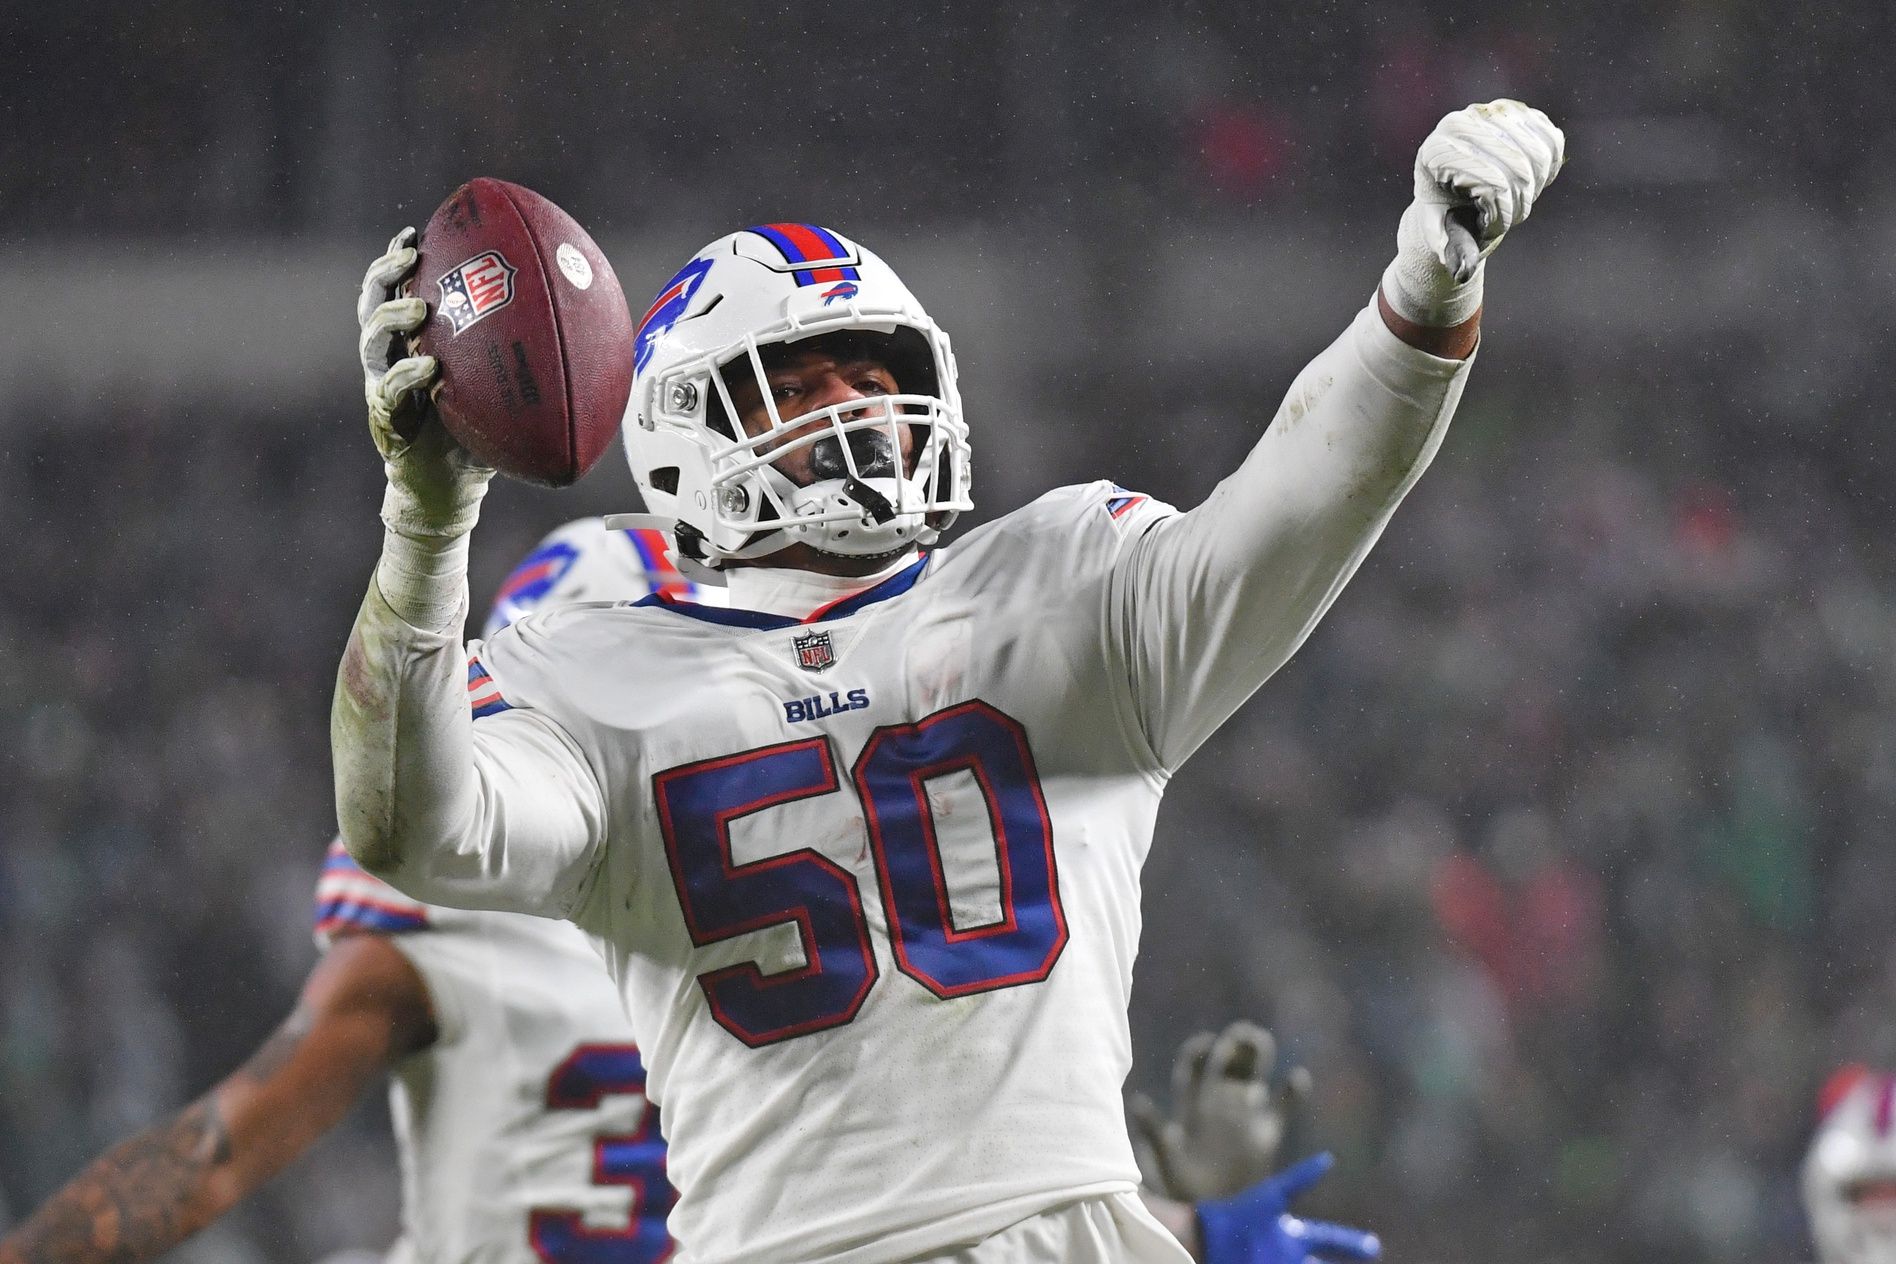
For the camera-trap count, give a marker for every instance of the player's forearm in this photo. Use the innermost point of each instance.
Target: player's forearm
(1356, 429)
(363, 1008)
(139, 1199)
(401, 740)
(1235, 585)
(506, 817)
(1280, 536)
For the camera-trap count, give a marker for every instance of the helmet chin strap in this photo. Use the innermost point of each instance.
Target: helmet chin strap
(873, 502)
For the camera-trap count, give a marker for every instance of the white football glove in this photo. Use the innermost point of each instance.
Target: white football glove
(434, 486)
(1228, 1117)
(1476, 176)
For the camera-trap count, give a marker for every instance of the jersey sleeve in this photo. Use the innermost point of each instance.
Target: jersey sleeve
(448, 953)
(498, 812)
(351, 900)
(1203, 607)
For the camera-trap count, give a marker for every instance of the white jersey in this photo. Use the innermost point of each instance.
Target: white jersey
(870, 881)
(523, 1129)
(866, 811)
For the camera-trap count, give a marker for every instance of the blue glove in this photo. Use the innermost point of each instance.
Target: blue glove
(1255, 1227)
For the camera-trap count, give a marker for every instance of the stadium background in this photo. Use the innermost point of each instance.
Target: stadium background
(1559, 854)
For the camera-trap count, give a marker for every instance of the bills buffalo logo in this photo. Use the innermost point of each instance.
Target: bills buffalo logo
(481, 286)
(814, 651)
(667, 310)
(842, 289)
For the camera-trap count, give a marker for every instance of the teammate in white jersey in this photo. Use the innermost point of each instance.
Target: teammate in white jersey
(522, 1127)
(516, 1092)
(864, 848)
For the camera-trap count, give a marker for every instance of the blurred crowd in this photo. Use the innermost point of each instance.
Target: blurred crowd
(208, 118)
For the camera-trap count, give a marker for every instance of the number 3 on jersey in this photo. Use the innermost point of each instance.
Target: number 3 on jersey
(635, 1160)
(697, 804)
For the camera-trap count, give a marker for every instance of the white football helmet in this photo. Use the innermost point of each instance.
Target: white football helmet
(585, 560)
(1854, 1155)
(715, 485)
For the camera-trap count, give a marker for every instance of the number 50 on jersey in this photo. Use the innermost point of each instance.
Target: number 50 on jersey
(698, 802)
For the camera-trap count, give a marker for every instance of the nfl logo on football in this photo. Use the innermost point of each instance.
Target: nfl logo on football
(482, 285)
(814, 651)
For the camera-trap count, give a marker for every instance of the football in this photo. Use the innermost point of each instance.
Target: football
(531, 330)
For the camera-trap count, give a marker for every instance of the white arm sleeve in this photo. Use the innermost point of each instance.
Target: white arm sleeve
(1207, 604)
(503, 814)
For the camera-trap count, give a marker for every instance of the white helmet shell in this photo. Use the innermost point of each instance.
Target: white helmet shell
(585, 560)
(1855, 1147)
(697, 467)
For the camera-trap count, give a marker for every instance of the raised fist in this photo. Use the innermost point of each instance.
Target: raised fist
(1490, 161)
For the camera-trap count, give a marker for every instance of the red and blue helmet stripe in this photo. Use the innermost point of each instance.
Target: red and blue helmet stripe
(660, 574)
(530, 582)
(809, 243)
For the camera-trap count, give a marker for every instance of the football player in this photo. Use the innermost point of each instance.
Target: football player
(516, 1092)
(862, 850)
(1849, 1179)
(515, 1088)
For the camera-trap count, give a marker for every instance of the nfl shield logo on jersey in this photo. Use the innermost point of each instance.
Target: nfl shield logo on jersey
(814, 651)
(481, 285)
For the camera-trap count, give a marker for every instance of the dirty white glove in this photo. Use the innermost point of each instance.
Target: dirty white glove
(434, 487)
(1477, 175)
(1229, 1111)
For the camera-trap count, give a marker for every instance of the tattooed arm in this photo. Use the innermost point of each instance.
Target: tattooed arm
(362, 1009)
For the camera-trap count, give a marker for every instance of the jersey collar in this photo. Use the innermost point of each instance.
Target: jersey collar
(894, 586)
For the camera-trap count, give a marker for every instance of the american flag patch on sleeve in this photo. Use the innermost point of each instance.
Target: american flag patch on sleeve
(483, 695)
(1121, 502)
(349, 898)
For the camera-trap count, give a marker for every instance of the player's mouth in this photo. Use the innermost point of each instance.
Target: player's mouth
(874, 456)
